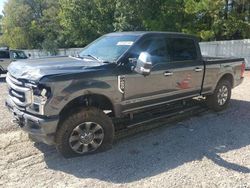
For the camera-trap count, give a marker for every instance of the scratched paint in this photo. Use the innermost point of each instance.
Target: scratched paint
(185, 83)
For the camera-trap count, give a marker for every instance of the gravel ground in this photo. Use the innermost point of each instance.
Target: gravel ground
(210, 150)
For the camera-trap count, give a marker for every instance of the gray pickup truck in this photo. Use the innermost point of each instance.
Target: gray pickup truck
(7, 56)
(72, 102)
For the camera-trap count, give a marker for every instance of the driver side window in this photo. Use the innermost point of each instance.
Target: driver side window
(156, 47)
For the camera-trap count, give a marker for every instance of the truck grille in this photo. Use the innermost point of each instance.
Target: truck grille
(20, 95)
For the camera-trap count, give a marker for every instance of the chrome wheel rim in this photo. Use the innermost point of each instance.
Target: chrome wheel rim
(86, 137)
(222, 95)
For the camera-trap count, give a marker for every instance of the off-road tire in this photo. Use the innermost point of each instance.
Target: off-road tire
(88, 114)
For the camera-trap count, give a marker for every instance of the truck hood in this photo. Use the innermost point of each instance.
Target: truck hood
(35, 69)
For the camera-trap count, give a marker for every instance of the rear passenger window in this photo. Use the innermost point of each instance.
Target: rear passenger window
(182, 49)
(4, 54)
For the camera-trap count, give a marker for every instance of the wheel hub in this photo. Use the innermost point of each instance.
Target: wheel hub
(86, 138)
(222, 95)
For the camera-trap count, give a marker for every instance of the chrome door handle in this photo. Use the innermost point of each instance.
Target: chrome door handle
(198, 69)
(168, 73)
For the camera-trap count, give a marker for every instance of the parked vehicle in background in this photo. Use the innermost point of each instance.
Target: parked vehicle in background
(7, 56)
(74, 102)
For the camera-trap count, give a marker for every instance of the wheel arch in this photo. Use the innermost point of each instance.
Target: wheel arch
(91, 100)
(227, 76)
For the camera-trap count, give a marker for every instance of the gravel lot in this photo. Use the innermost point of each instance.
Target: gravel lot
(210, 150)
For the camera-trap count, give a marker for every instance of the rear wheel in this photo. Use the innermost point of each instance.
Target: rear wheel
(86, 131)
(221, 96)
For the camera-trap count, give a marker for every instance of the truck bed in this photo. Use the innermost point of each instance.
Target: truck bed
(219, 60)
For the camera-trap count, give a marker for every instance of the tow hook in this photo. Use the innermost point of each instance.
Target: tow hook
(18, 122)
(15, 121)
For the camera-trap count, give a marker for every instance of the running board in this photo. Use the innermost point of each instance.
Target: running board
(163, 116)
(159, 121)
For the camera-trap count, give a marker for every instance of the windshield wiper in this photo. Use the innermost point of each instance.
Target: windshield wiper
(95, 58)
(108, 62)
(91, 56)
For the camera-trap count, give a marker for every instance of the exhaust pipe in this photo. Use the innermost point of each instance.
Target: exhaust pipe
(17, 122)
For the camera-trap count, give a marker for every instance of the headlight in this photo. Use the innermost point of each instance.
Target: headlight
(42, 91)
(39, 99)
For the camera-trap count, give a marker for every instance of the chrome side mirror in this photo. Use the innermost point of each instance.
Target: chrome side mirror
(144, 64)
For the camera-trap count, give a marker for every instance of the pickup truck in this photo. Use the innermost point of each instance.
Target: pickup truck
(72, 102)
(7, 56)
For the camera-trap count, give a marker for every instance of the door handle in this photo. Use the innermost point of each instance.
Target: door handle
(197, 69)
(168, 73)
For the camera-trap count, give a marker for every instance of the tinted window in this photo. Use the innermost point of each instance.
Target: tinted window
(4, 54)
(156, 47)
(182, 49)
(18, 55)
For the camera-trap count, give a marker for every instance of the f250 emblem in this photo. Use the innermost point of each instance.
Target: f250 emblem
(121, 83)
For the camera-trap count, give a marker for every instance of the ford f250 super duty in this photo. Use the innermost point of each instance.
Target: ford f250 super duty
(71, 102)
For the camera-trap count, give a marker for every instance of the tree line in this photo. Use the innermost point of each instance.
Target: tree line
(49, 25)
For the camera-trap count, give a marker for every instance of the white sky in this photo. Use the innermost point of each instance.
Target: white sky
(1, 5)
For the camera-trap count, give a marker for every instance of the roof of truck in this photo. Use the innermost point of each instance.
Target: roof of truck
(141, 33)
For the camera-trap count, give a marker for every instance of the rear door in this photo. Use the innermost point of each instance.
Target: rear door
(4, 59)
(186, 67)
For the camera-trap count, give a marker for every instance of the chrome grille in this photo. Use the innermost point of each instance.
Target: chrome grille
(21, 95)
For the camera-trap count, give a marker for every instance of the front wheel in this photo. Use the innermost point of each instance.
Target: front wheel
(86, 131)
(219, 100)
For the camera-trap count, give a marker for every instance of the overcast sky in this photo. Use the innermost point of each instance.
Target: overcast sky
(1, 5)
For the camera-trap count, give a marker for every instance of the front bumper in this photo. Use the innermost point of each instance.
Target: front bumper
(40, 129)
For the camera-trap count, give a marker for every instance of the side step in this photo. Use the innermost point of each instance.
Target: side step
(163, 116)
(163, 119)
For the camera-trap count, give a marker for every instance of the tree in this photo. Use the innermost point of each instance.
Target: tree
(165, 15)
(128, 15)
(84, 20)
(236, 20)
(74, 23)
(30, 23)
(219, 20)
(1, 19)
(160, 15)
(1, 31)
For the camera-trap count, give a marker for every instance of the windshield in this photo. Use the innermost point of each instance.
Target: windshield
(108, 48)
(18, 55)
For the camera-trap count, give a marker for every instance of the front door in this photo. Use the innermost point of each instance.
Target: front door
(141, 91)
(176, 73)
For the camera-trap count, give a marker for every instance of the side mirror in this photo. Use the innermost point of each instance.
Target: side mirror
(144, 64)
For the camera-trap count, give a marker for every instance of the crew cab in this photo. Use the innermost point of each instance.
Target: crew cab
(7, 56)
(72, 102)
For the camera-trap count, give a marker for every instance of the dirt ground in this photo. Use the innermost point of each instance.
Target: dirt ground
(210, 150)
